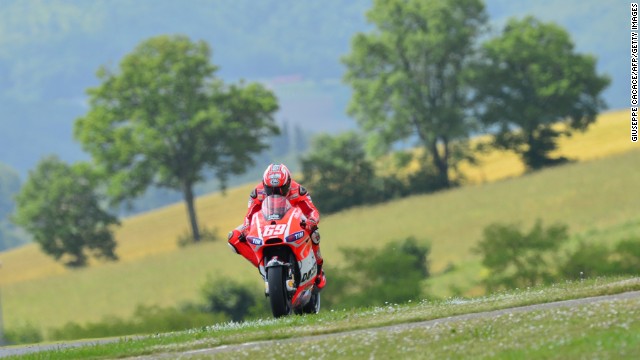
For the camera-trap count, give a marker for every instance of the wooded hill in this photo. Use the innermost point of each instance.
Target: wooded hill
(50, 52)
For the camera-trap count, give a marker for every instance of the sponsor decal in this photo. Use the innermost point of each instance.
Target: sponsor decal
(308, 275)
(295, 236)
(254, 240)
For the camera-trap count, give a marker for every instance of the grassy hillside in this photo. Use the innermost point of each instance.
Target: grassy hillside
(598, 319)
(593, 198)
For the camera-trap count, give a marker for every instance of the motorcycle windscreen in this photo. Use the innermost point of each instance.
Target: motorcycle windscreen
(274, 207)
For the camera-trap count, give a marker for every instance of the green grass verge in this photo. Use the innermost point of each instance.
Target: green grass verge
(604, 329)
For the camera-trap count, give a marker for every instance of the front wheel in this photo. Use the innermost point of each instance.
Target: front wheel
(280, 304)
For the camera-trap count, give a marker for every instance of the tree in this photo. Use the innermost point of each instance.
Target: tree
(281, 144)
(164, 120)
(517, 259)
(10, 236)
(229, 297)
(337, 172)
(596, 259)
(300, 139)
(9, 185)
(587, 260)
(390, 274)
(531, 78)
(61, 207)
(409, 75)
(628, 256)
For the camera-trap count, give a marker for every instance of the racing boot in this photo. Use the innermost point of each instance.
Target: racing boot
(238, 243)
(321, 279)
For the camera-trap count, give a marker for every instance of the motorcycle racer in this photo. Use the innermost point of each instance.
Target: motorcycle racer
(277, 180)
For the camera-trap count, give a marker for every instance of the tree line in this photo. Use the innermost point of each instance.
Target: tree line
(422, 75)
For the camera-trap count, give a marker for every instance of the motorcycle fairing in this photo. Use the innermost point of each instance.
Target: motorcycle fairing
(277, 225)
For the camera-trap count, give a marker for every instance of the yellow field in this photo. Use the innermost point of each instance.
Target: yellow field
(153, 270)
(609, 135)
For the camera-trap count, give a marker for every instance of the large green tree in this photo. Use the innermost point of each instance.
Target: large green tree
(530, 78)
(61, 207)
(164, 119)
(409, 74)
(338, 173)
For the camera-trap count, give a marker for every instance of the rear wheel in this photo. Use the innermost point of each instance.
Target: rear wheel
(280, 305)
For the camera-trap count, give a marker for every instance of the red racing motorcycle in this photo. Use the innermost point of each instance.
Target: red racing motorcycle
(283, 246)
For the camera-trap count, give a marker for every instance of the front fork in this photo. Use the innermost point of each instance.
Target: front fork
(290, 281)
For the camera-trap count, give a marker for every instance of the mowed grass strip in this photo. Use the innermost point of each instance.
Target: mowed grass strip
(576, 331)
(589, 197)
(608, 330)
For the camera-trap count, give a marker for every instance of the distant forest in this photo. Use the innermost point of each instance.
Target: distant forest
(50, 52)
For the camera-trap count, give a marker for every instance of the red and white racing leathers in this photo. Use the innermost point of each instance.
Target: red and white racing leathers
(297, 196)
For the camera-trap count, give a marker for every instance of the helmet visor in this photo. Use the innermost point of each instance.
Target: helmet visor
(276, 190)
(275, 207)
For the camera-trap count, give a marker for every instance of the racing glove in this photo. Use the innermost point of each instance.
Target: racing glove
(311, 225)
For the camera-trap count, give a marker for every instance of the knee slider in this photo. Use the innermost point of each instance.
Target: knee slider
(233, 248)
(315, 237)
(232, 239)
(235, 237)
